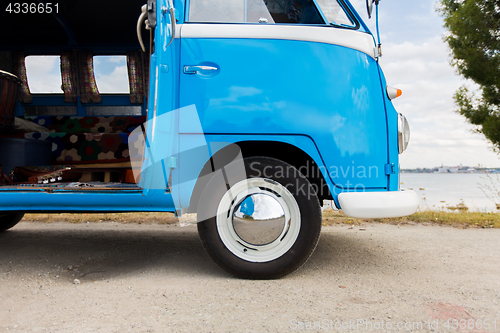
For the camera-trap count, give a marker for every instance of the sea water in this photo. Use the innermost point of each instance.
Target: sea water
(447, 190)
(444, 191)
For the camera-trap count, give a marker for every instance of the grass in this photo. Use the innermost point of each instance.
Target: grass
(460, 219)
(140, 218)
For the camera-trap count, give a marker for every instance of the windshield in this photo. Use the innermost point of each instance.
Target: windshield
(255, 11)
(334, 12)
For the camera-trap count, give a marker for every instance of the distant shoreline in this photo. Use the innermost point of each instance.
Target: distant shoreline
(464, 172)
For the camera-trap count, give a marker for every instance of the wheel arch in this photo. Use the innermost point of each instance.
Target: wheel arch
(283, 151)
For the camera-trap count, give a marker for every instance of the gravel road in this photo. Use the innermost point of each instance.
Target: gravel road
(109, 277)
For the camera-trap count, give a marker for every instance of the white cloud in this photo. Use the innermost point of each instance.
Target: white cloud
(433, 49)
(115, 82)
(44, 74)
(116, 59)
(359, 5)
(438, 134)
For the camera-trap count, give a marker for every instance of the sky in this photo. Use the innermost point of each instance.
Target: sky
(44, 74)
(416, 60)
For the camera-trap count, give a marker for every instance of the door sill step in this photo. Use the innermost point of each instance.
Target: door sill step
(73, 187)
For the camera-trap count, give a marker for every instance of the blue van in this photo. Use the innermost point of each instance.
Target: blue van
(243, 116)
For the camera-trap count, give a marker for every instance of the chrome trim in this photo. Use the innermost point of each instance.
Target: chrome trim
(196, 69)
(258, 219)
(246, 238)
(403, 133)
(172, 18)
(144, 14)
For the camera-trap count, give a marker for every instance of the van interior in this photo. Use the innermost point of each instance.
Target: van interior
(63, 124)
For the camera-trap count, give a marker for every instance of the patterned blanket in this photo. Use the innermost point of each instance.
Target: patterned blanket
(86, 139)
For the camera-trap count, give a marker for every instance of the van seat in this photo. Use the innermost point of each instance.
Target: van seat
(70, 124)
(82, 140)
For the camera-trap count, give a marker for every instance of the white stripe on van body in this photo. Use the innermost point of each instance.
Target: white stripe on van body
(352, 39)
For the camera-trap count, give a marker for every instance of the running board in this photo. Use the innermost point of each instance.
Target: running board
(73, 187)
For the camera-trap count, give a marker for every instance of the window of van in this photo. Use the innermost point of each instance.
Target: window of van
(44, 74)
(111, 74)
(255, 11)
(334, 12)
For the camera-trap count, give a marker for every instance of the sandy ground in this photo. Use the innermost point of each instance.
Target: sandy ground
(108, 277)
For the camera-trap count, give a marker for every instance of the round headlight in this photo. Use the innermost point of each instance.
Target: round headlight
(403, 133)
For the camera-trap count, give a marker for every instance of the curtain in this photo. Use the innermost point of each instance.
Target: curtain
(135, 77)
(88, 87)
(19, 65)
(69, 77)
(138, 76)
(77, 70)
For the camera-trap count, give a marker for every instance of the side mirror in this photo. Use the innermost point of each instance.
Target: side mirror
(369, 7)
(152, 13)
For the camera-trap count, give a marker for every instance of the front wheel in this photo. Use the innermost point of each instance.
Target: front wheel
(7, 221)
(263, 225)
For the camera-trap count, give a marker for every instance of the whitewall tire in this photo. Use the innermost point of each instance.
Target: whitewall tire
(262, 226)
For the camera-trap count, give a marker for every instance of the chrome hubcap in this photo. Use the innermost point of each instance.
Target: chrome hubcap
(258, 220)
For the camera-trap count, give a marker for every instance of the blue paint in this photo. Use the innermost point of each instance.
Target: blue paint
(328, 101)
(392, 135)
(333, 95)
(123, 201)
(247, 207)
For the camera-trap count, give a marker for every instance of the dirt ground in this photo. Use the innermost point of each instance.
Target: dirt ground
(111, 277)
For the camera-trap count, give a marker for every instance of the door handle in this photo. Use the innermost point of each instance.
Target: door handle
(196, 69)
(170, 9)
(142, 18)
